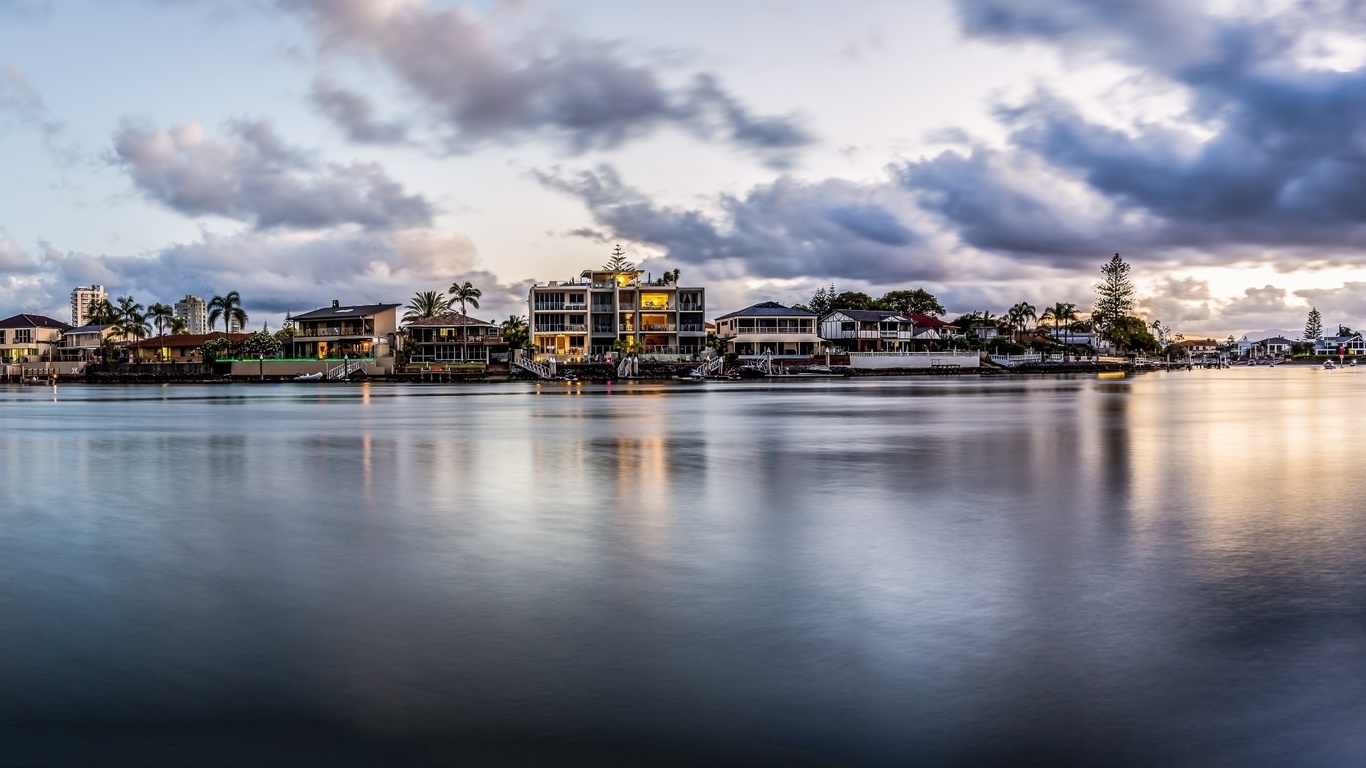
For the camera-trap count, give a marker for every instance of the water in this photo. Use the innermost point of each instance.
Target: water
(1164, 569)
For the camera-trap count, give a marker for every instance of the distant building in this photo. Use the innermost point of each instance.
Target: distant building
(361, 331)
(82, 296)
(195, 312)
(29, 338)
(182, 348)
(451, 337)
(1340, 345)
(875, 330)
(603, 310)
(85, 343)
(769, 328)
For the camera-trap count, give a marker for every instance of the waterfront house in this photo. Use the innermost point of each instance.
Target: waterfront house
(354, 331)
(874, 330)
(605, 311)
(176, 348)
(1340, 345)
(927, 328)
(84, 344)
(451, 337)
(1199, 347)
(769, 328)
(1081, 335)
(28, 338)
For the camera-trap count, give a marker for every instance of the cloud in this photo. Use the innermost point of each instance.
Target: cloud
(355, 115)
(1272, 153)
(487, 87)
(1345, 305)
(1178, 302)
(782, 230)
(275, 271)
(256, 178)
(1265, 301)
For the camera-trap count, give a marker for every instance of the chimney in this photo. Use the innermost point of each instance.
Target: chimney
(335, 303)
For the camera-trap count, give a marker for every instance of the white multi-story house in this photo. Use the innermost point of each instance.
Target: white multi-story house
(1340, 345)
(769, 328)
(82, 296)
(605, 312)
(195, 312)
(871, 330)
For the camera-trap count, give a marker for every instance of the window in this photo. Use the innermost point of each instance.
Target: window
(23, 336)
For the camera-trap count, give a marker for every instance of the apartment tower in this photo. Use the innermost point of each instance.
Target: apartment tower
(195, 312)
(82, 296)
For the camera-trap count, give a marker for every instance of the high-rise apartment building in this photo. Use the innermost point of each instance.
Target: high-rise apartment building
(195, 312)
(606, 312)
(82, 296)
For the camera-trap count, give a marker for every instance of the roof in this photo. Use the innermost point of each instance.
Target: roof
(358, 310)
(768, 309)
(928, 321)
(872, 315)
(449, 319)
(1277, 340)
(31, 321)
(184, 340)
(89, 329)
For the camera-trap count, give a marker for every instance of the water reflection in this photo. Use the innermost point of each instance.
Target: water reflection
(1160, 569)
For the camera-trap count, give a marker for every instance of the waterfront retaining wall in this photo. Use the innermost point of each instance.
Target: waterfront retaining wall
(881, 360)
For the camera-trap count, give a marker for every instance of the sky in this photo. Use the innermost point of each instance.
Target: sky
(989, 151)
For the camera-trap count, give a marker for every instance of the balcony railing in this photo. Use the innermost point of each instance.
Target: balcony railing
(344, 330)
(565, 328)
(691, 327)
(779, 329)
(688, 306)
(658, 327)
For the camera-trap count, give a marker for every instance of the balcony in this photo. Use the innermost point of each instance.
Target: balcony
(688, 306)
(691, 328)
(343, 330)
(658, 327)
(563, 328)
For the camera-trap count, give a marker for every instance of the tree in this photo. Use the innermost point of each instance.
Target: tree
(210, 350)
(1114, 295)
(179, 327)
(260, 343)
(132, 322)
(1345, 330)
(161, 316)
(515, 332)
(229, 308)
(820, 302)
(914, 302)
(101, 312)
(1060, 314)
(1019, 318)
(616, 265)
(1132, 333)
(1313, 325)
(851, 300)
(466, 293)
(426, 304)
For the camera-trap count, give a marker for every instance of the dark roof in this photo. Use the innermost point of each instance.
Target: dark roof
(31, 321)
(872, 315)
(1277, 340)
(359, 310)
(768, 309)
(184, 340)
(449, 319)
(928, 321)
(89, 329)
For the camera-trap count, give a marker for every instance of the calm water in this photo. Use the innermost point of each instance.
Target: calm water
(1166, 569)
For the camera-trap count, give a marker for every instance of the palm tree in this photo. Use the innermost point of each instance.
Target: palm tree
(229, 308)
(427, 304)
(161, 316)
(1019, 318)
(465, 294)
(1059, 314)
(179, 326)
(514, 331)
(101, 312)
(132, 321)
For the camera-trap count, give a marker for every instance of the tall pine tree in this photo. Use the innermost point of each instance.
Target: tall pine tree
(1313, 325)
(618, 262)
(1114, 295)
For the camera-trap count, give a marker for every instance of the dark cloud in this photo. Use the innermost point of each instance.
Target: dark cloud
(585, 93)
(256, 178)
(786, 229)
(355, 115)
(1285, 167)
(1265, 301)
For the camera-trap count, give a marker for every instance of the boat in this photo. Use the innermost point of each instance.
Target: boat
(1329, 365)
(751, 372)
(309, 376)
